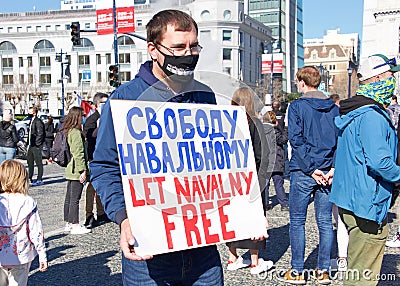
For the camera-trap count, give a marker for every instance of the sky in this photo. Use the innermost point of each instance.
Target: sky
(318, 15)
(322, 15)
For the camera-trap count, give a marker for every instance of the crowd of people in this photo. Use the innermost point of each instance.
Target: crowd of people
(343, 158)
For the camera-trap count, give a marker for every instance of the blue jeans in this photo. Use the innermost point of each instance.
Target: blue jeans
(7, 153)
(199, 267)
(302, 187)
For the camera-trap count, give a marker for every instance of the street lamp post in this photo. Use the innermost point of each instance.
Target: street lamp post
(350, 72)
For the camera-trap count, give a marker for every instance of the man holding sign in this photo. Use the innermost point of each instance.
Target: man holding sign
(202, 196)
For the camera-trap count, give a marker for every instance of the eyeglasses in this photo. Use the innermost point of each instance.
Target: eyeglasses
(389, 62)
(195, 50)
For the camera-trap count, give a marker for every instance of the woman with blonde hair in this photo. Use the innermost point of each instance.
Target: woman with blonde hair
(244, 97)
(76, 171)
(21, 229)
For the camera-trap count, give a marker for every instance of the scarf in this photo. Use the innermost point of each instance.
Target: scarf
(380, 91)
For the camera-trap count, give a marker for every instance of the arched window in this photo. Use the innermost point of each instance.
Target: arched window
(86, 44)
(43, 46)
(125, 42)
(7, 47)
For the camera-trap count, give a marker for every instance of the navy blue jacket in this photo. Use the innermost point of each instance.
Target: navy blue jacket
(312, 132)
(105, 170)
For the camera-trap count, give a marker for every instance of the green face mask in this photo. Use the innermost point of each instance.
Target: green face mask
(380, 91)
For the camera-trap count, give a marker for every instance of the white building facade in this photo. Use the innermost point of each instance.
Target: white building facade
(31, 42)
(381, 30)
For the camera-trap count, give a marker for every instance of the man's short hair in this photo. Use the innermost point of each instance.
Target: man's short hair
(34, 109)
(157, 26)
(335, 97)
(98, 97)
(310, 75)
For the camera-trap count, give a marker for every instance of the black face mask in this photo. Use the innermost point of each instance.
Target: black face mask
(30, 115)
(179, 68)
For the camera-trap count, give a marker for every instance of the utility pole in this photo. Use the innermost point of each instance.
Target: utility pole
(59, 58)
(115, 33)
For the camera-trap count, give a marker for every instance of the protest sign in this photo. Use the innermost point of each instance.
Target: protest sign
(188, 174)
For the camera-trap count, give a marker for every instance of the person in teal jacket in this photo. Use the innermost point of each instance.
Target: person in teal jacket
(365, 168)
(76, 171)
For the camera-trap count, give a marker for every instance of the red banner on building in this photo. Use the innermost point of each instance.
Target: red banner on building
(125, 21)
(266, 63)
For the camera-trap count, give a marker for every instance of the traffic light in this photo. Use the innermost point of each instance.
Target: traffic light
(113, 76)
(76, 33)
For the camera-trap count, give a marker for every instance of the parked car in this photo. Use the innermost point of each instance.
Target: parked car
(22, 128)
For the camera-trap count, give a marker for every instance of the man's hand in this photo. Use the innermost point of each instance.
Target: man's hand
(43, 266)
(329, 176)
(319, 177)
(127, 242)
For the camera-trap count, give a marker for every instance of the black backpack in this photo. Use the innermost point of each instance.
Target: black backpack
(59, 152)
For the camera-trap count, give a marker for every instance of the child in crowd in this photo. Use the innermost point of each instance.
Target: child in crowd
(244, 97)
(21, 232)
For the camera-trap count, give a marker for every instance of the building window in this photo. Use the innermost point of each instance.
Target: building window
(250, 40)
(21, 79)
(45, 78)
(7, 63)
(8, 79)
(44, 61)
(139, 23)
(108, 59)
(227, 15)
(58, 27)
(241, 38)
(30, 78)
(124, 58)
(19, 29)
(48, 28)
(205, 15)
(98, 76)
(314, 56)
(87, 25)
(226, 35)
(98, 59)
(227, 70)
(10, 29)
(227, 54)
(84, 60)
(125, 76)
(38, 28)
(21, 61)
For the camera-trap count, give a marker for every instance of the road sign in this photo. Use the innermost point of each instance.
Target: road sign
(86, 75)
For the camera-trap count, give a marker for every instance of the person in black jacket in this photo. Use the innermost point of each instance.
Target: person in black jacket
(8, 137)
(49, 129)
(276, 138)
(36, 139)
(90, 129)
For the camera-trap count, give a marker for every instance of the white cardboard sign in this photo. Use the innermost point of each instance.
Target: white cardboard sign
(188, 174)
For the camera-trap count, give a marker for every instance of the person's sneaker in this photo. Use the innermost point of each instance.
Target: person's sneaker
(103, 219)
(262, 266)
(80, 229)
(291, 277)
(395, 242)
(67, 227)
(239, 263)
(37, 183)
(341, 264)
(321, 277)
(89, 221)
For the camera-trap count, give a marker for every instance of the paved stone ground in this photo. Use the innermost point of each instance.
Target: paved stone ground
(94, 259)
